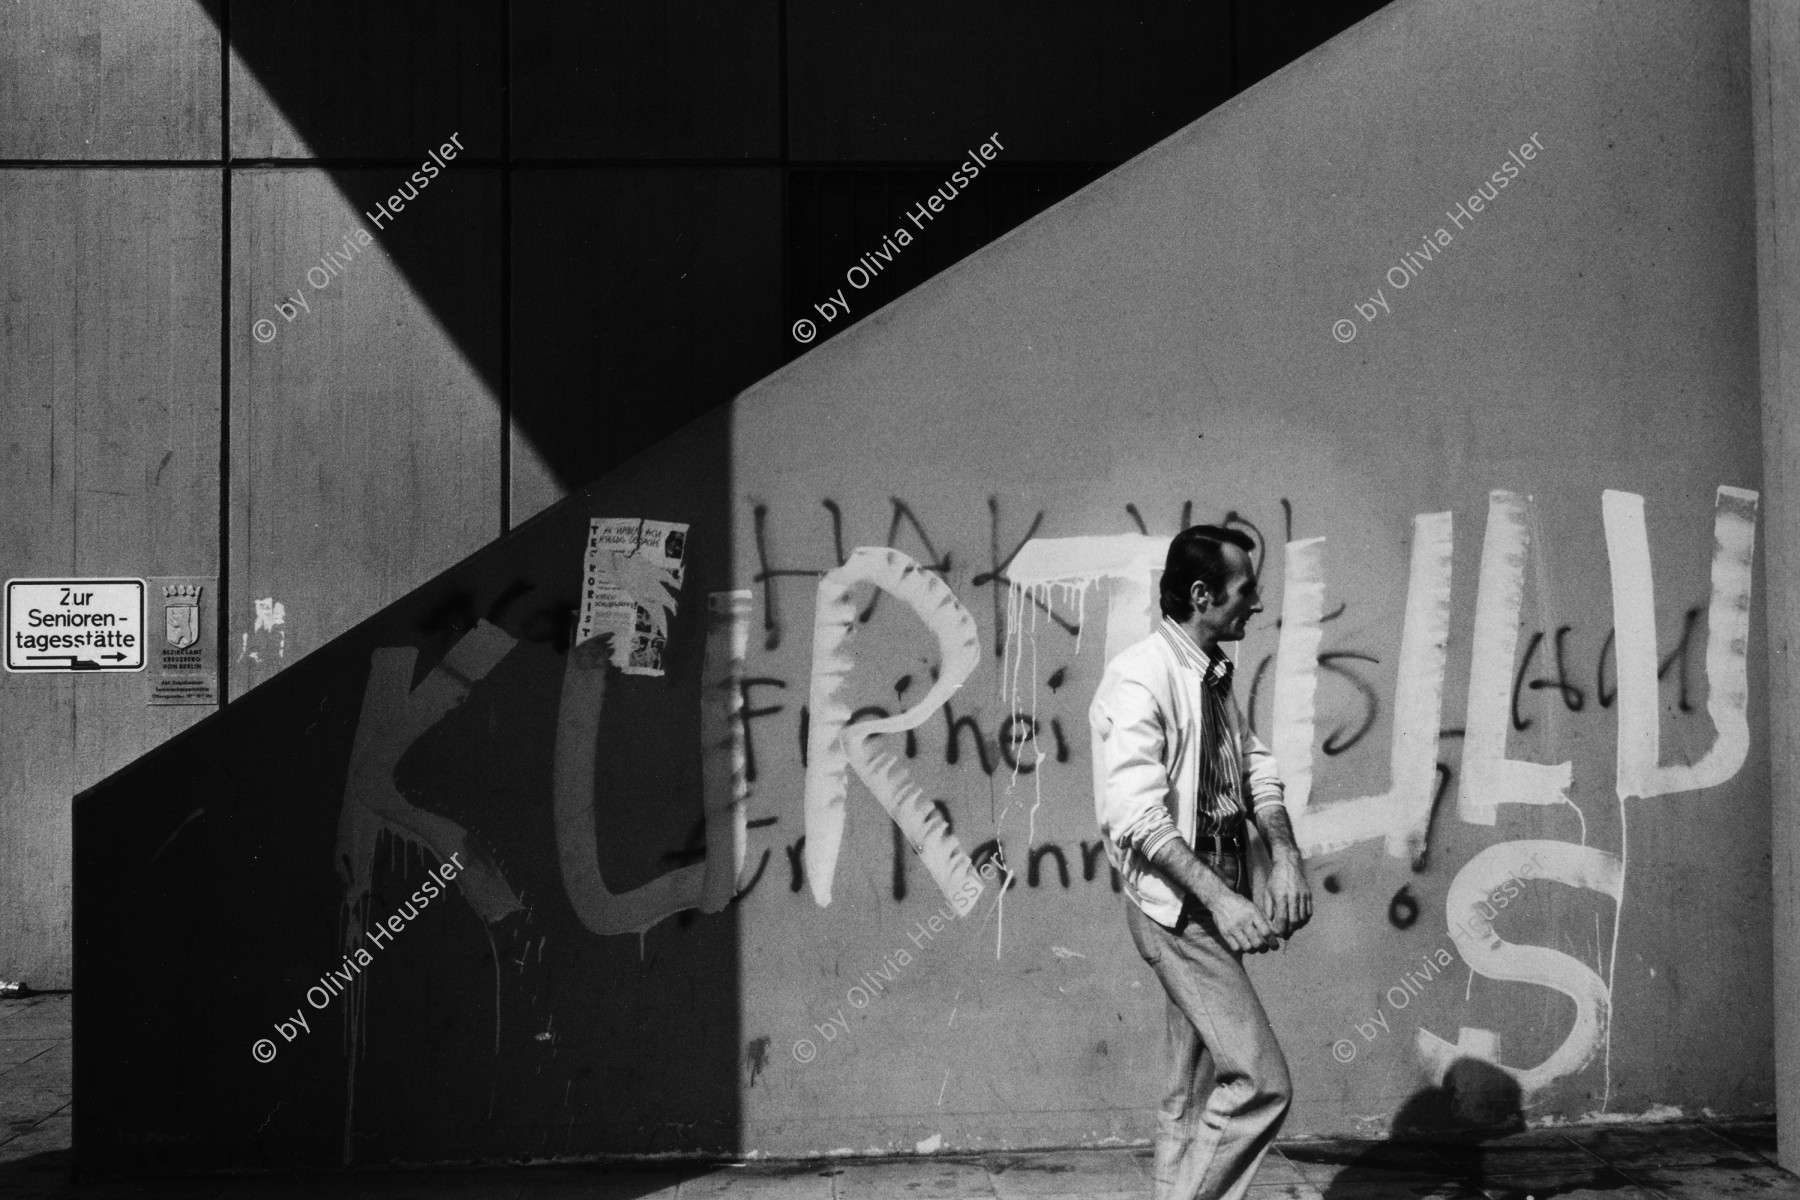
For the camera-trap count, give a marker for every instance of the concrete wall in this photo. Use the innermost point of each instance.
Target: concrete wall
(1165, 338)
(193, 159)
(1531, 638)
(1775, 41)
(172, 169)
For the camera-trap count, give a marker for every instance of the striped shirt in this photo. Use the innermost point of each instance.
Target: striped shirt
(1172, 759)
(1219, 798)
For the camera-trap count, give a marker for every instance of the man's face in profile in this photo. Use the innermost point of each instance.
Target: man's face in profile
(1224, 616)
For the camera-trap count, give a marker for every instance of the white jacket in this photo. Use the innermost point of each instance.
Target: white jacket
(1145, 720)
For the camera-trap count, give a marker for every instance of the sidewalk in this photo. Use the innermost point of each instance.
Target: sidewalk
(1709, 1161)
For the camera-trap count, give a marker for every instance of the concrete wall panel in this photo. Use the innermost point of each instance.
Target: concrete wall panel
(87, 79)
(1775, 53)
(109, 358)
(678, 248)
(339, 79)
(1056, 81)
(365, 445)
(657, 80)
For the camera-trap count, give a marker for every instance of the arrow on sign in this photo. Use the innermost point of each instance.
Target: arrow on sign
(79, 664)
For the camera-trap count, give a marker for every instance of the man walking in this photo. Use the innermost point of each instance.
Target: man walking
(1173, 765)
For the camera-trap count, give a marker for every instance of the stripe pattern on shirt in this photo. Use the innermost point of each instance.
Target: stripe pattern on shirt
(1219, 796)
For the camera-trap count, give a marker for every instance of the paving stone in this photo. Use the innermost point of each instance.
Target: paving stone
(1601, 1183)
(1746, 1177)
(23, 1169)
(37, 1017)
(926, 1178)
(1755, 1136)
(1668, 1146)
(1681, 1161)
(33, 1090)
(1402, 1189)
(24, 1139)
(12, 1053)
(162, 1189)
(602, 1183)
(1068, 1171)
(1321, 1159)
(1380, 1171)
(1283, 1191)
(805, 1181)
(1507, 1157)
(1277, 1177)
(1277, 1169)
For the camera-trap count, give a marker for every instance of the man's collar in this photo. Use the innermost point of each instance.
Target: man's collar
(1209, 661)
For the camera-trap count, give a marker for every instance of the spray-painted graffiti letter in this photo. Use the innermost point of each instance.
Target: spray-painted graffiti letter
(394, 716)
(708, 885)
(1485, 952)
(1128, 562)
(834, 745)
(1489, 778)
(1727, 632)
(1402, 813)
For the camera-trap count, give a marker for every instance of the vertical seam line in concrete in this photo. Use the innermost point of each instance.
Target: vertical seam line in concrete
(1231, 50)
(784, 168)
(1775, 64)
(506, 235)
(222, 609)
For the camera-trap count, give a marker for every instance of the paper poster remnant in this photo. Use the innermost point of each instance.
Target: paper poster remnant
(631, 578)
(184, 639)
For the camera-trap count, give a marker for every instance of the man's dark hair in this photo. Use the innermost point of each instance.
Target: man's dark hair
(1195, 554)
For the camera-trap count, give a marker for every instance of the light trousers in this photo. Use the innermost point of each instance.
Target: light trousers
(1227, 1089)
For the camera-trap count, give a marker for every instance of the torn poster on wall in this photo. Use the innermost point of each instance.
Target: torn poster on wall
(631, 577)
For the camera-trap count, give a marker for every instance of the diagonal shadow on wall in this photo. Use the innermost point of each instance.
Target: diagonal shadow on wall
(224, 877)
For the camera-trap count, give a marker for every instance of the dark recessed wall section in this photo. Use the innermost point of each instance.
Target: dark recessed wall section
(642, 297)
(648, 80)
(1267, 37)
(727, 162)
(1059, 80)
(348, 79)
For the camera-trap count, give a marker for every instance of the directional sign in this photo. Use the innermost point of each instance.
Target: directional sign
(74, 624)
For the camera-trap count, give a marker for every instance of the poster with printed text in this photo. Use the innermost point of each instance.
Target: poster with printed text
(631, 579)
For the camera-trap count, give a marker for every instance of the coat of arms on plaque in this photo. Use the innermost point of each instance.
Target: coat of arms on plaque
(181, 613)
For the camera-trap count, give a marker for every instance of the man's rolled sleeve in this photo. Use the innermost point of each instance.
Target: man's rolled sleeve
(1134, 784)
(1262, 775)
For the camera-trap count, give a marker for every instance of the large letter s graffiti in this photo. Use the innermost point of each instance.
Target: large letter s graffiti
(1486, 953)
(1490, 779)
